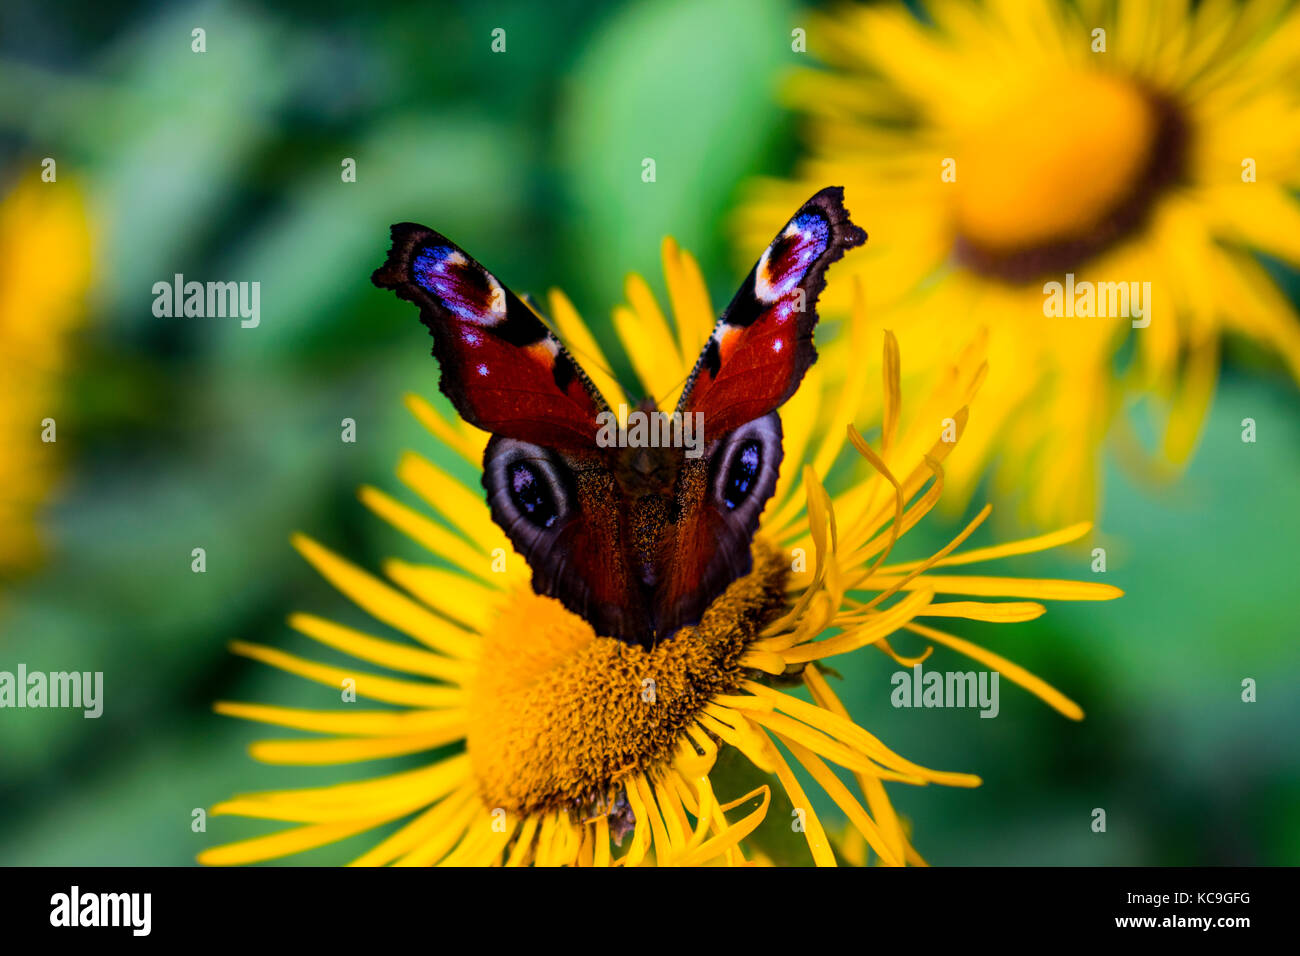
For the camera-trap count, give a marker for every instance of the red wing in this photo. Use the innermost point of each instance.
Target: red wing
(567, 516)
(501, 367)
(763, 344)
(719, 503)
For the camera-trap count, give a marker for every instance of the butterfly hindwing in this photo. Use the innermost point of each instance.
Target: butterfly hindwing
(501, 367)
(567, 514)
(763, 344)
(719, 500)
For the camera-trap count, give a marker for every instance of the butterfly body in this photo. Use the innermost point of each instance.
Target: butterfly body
(636, 536)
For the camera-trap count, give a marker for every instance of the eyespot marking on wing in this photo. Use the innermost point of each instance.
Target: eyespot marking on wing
(785, 262)
(465, 289)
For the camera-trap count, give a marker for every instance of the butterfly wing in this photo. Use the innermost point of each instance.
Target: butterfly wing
(567, 515)
(501, 367)
(548, 484)
(763, 344)
(753, 362)
(719, 499)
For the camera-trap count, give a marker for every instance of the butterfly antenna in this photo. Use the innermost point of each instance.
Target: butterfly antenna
(659, 400)
(587, 357)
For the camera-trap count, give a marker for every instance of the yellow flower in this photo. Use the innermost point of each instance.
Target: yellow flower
(560, 746)
(997, 147)
(44, 274)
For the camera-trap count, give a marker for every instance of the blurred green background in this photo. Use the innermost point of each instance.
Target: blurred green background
(184, 433)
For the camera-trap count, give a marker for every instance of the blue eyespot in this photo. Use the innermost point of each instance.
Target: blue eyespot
(532, 496)
(742, 474)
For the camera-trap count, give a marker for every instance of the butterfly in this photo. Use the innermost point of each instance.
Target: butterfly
(637, 540)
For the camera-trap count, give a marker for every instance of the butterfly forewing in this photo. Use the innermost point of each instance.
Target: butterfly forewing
(501, 367)
(761, 347)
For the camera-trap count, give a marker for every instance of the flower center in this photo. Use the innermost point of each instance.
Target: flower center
(560, 716)
(1061, 170)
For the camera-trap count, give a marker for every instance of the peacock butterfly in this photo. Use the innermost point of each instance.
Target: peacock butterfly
(637, 540)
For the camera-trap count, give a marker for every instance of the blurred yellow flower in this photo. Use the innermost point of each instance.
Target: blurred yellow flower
(1001, 146)
(45, 255)
(547, 747)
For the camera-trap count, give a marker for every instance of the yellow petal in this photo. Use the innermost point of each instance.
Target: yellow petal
(1011, 671)
(370, 686)
(387, 604)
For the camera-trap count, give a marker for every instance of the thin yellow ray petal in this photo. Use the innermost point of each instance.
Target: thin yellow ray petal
(839, 793)
(386, 689)
(1192, 400)
(659, 832)
(948, 548)
(1004, 612)
(444, 543)
(731, 835)
(1024, 546)
(718, 817)
(821, 522)
(641, 835)
(799, 417)
(689, 296)
(653, 334)
(893, 399)
(416, 832)
(524, 843)
(460, 441)
(841, 753)
(874, 791)
(578, 340)
(769, 662)
(883, 546)
(887, 649)
(286, 842)
(875, 626)
(377, 650)
(1045, 589)
(359, 723)
(350, 750)
(440, 842)
(703, 820)
(568, 839)
(601, 853)
(463, 508)
(482, 842)
(452, 595)
(673, 813)
(385, 603)
(392, 806)
(739, 732)
(842, 728)
(432, 781)
(853, 393)
(1008, 669)
(657, 372)
(813, 832)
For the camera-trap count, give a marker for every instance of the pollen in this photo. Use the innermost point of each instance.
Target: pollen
(560, 717)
